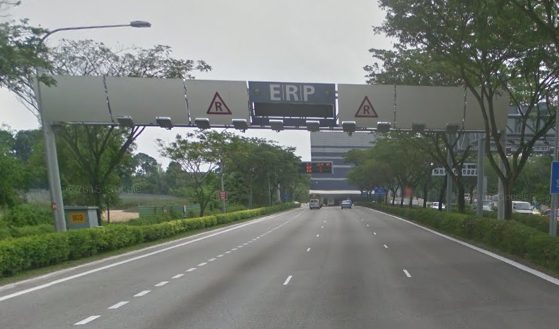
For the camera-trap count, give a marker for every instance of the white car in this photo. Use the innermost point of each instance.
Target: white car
(435, 205)
(314, 204)
(521, 207)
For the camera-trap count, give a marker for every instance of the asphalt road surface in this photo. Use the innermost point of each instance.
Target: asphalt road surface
(328, 268)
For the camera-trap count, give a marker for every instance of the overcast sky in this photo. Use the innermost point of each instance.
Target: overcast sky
(272, 40)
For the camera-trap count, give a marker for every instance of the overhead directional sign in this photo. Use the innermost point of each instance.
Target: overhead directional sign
(474, 115)
(218, 101)
(366, 104)
(292, 92)
(434, 106)
(145, 99)
(75, 99)
(293, 102)
(468, 170)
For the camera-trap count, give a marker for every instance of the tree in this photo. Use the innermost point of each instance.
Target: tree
(493, 46)
(545, 14)
(20, 52)
(199, 155)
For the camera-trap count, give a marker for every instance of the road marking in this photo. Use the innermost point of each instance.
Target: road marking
(385, 246)
(367, 224)
(239, 246)
(117, 305)
(211, 259)
(361, 220)
(102, 268)
(519, 266)
(201, 264)
(162, 283)
(309, 249)
(407, 274)
(325, 221)
(244, 244)
(191, 269)
(143, 293)
(177, 276)
(228, 252)
(317, 235)
(233, 249)
(287, 281)
(218, 256)
(87, 320)
(322, 227)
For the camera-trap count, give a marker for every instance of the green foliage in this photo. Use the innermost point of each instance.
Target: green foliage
(17, 255)
(27, 215)
(514, 237)
(492, 47)
(18, 232)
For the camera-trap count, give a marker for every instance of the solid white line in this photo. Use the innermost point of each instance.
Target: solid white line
(519, 266)
(407, 274)
(309, 249)
(87, 320)
(143, 293)
(201, 264)
(228, 252)
(385, 246)
(211, 259)
(162, 283)
(218, 256)
(191, 269)
(177, 276)
(117, 305)
(287, 281)
(102, 268)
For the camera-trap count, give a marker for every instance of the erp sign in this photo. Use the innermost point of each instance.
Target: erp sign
(292, 92)
(554, 184)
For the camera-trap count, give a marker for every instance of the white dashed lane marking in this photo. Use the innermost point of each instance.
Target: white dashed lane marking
(162, 283)
(117, 305)
(407, 273)
(287, 280)
(177, 276)
(87, 320)
(143, 293)
(191, 269)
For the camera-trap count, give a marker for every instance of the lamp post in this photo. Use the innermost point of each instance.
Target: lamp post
(53, 174)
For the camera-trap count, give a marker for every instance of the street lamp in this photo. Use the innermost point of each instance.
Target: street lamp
(53, 174)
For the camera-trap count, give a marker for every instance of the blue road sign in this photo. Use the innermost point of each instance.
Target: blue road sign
(292, 92)
(554, 177)
(380, 190)
(286, 196)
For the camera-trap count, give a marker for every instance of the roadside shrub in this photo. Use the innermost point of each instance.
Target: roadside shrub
(30, 252)
(523, 236)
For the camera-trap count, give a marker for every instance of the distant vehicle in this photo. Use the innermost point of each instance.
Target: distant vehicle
(521, 207)
(330, 203)
(346, 204)
(486, 206)
(314, 204)
(435, 205)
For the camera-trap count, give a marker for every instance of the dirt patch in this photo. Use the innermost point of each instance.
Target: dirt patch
(120, 215)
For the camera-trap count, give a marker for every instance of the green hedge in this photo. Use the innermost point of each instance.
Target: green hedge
(17, 255)
(510, 236)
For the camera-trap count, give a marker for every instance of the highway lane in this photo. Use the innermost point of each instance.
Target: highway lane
(327, 268)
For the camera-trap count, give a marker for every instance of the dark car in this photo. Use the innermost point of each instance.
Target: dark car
(346, 204)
